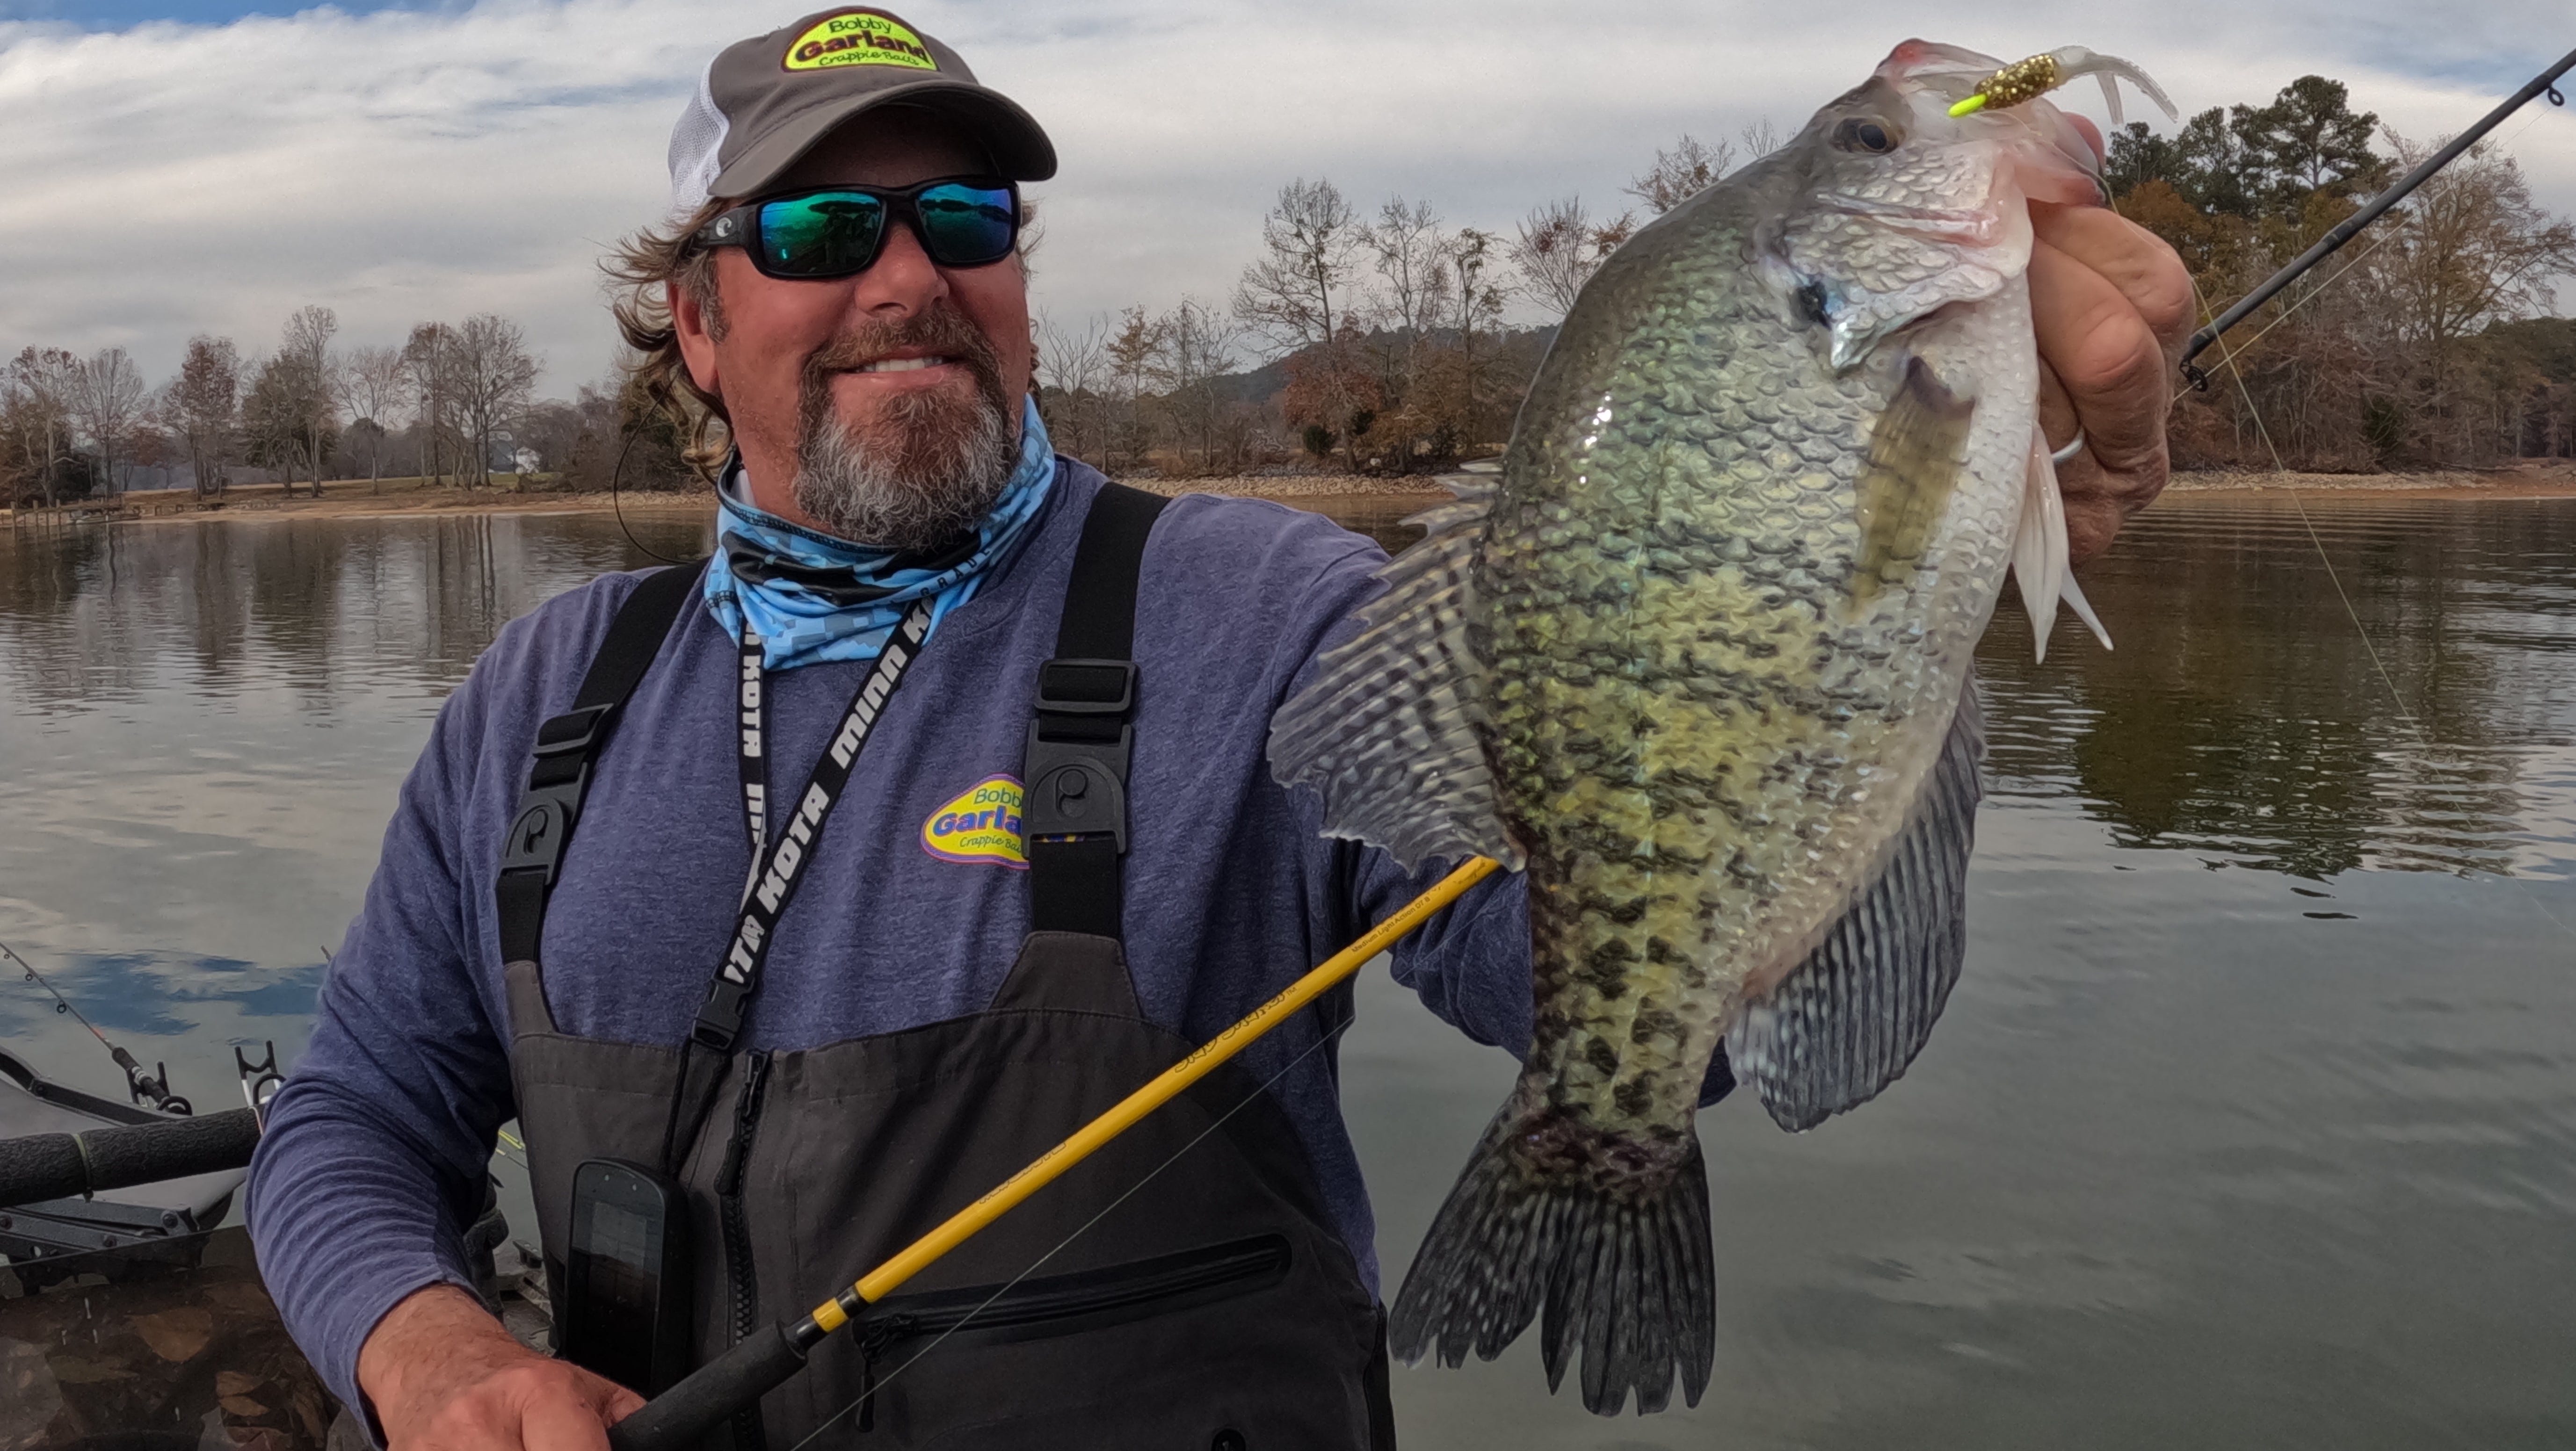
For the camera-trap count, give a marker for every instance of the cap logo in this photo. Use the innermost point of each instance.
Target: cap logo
(858, 37)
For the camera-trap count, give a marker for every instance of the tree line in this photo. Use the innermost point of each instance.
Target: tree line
(452, 405)
(1377, 340)
(2426, 343)
(1387, 340)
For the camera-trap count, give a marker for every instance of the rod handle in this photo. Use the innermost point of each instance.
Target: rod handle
(60, 1166)
(675, 1419)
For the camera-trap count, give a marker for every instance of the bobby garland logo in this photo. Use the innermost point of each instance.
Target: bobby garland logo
(858, 37)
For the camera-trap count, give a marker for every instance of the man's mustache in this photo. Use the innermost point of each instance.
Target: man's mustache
(940, 330)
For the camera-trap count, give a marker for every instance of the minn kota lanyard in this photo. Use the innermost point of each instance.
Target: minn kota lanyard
(777, 867)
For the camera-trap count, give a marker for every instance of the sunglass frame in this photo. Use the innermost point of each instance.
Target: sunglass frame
(740, 226)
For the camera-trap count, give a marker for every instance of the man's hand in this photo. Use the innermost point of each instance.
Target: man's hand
(2112, 306)
(444, 1376)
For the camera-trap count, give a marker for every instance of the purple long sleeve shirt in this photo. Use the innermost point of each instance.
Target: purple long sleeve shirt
(376, 1149)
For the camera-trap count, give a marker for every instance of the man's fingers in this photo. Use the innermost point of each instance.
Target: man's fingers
(619, 1404)
(2135, 261)
(2110, 362)
(563, 1423)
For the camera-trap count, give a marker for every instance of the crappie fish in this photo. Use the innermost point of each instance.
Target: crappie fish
(1698, 660)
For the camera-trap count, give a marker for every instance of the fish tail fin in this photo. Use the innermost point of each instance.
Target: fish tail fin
(1618, 1268)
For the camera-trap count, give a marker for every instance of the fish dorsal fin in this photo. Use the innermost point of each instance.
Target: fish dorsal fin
(1851, 1017)
(1386, 731)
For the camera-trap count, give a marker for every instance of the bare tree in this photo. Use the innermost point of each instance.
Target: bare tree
(41, 383)
(1682, 171)
(2469, 249)
(1297, 296)
(1558, 249)
(495, 374)
(205, 400)
(1131, 351)
(1760, 140)
(1198, 344)
(1410, 254)
(107, 398)
(1073, 366)
(304, 363)
(372, 385)
(429, 360)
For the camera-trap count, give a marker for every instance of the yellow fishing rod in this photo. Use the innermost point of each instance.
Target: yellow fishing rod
(675, 1419)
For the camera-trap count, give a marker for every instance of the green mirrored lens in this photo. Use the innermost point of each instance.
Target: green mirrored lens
(828, 234)
(967, 226)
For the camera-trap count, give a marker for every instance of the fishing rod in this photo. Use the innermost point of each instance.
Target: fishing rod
(2344, 231)
(145, 1087)
(764, 1359)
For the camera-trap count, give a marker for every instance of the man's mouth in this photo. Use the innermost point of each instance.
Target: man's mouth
(903, 365)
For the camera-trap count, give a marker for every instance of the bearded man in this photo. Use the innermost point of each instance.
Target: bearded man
(927, 819)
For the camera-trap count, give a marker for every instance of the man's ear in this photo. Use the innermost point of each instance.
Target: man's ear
(695, 324)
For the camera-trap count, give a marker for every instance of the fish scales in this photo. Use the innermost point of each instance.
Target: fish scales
(1698, 661)
(1689, 731)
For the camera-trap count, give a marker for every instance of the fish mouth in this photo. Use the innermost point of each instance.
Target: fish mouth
(1952, 226)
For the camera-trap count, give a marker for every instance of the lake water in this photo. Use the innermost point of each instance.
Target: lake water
(2252, 1122)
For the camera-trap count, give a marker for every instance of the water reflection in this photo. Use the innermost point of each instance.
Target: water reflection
(2244, 715)
(2276, 1154)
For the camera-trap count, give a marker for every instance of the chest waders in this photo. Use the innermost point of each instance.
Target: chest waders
(1217, 1310)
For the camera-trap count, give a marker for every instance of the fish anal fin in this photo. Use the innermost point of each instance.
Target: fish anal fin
(1847, 1022)
(1915, 454)
(1385, 731)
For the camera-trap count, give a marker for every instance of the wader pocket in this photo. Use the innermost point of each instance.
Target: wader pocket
(902, 1328)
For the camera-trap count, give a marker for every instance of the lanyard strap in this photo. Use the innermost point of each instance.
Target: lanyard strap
(780, 863)
(754, 770)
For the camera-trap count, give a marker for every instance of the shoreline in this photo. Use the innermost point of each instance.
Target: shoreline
(354, 499)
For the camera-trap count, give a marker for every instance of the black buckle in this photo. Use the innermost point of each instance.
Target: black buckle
(1077, 768)
(1075, 687)
(541, 828)
(585, 726)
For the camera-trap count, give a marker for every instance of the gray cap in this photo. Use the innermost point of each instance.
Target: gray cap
(765, 102)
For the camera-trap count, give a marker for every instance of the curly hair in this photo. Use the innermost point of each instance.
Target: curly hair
(642, 268)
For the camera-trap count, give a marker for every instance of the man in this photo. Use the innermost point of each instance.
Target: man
(915, 992)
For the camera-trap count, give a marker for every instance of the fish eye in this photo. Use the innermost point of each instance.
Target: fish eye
(1857, 134)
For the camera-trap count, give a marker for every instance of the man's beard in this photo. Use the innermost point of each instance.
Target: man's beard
(927, 464)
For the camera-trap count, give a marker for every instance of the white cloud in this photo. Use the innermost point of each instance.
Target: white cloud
(398, 166)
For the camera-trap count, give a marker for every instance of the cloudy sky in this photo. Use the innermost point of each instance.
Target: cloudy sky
(183, 166)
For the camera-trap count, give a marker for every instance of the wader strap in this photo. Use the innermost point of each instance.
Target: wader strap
(1075, 812)
(566, 745)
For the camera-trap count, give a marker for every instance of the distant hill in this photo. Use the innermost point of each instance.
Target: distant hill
(1260, 386)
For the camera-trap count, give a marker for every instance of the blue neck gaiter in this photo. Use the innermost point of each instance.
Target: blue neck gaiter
(811, 597)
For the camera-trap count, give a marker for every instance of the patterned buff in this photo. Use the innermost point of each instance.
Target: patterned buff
(813, 597)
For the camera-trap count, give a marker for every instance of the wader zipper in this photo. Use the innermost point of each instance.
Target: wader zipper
(1141, 1288)
(745, 1290)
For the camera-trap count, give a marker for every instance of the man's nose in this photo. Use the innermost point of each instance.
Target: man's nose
(903, 277)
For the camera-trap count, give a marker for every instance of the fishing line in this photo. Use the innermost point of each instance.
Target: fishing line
(61, 1004)
(614, 470)
(2227, 357)
(2423, 736)
(1085, 1227)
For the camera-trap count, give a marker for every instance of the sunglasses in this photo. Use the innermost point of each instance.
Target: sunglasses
(839, 231)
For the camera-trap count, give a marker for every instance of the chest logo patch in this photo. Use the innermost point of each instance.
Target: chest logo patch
(859, 37)
(979, 824)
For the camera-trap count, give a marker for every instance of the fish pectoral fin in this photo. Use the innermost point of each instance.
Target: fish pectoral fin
(1848, 1021)
(2039, 556)
(1386, 731)
(1916, 451)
